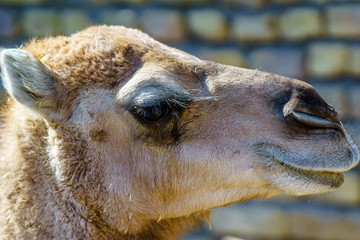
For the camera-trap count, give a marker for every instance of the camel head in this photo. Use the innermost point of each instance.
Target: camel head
(145, 132)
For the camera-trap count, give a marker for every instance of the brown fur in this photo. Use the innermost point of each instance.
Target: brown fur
(97, 172)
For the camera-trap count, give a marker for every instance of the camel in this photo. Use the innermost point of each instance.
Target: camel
(109, 134)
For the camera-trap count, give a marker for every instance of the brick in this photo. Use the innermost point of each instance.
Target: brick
(135, 1)
(354, 67)
(348, 194)
(164, 25)
(124, 17)
(301, 23)
(231, 238)
(259, 28)
(325, 224)
(354, 95)
(336, 96)
(320, 1)
(344, 20)
(22, 1)
(251, 221)
(286, 1)
(182, 2)
(198, 237)
(8, 23)
(247, 3)
(120, 1)
(72, 21)
(208, 24)
(76, 1)
(228, 56)
(286, 62)
(38, 22)
(261, 221)
(328, 60)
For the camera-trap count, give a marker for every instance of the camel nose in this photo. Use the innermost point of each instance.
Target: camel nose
(307, 107)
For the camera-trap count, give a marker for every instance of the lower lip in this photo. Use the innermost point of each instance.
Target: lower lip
(331, 179)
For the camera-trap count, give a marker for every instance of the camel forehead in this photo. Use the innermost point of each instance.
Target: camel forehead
(105, 56)
(102, 56)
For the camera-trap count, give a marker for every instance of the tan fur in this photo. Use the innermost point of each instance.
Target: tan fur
(97, 172)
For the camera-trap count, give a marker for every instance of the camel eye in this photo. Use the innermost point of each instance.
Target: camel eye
(153, 114)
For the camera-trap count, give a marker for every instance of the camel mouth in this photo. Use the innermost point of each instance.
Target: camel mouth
(331, 179)
(309, 177)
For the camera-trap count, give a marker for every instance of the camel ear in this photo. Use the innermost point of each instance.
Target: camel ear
(28, 80)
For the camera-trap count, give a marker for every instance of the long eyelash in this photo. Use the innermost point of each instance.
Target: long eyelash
(186, 104)
(184, 100)
(215, 98)
(178, 103)
(203, 98)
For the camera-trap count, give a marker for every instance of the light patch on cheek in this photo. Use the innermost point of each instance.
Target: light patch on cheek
(92, 104)
(228, 165)
(53, 153)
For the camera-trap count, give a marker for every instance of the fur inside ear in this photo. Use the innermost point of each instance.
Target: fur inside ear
(27, 80)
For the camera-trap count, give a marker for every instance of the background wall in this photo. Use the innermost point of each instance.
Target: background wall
(317, 41)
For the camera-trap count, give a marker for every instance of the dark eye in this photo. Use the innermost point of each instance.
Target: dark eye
(153, 114)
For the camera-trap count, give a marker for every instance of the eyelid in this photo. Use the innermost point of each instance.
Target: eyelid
(156, 94)
(146, 99)
(172, 103)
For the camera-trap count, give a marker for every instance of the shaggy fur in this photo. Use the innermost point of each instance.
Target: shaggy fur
(78, 160)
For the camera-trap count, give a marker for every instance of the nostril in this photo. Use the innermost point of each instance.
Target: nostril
(307, 107)
(314, 121)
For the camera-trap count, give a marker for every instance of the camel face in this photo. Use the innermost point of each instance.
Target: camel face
(136, 125)
(247, 129)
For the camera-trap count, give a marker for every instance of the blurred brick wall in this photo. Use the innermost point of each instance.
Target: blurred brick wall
(317, 41)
